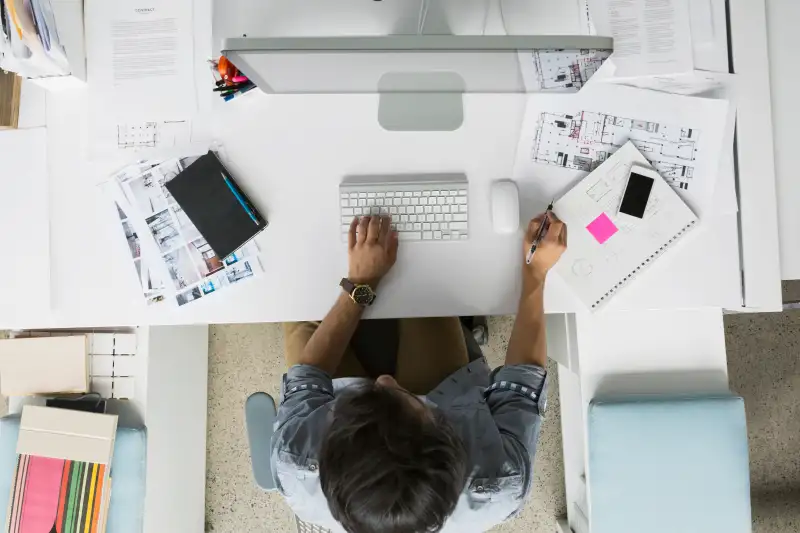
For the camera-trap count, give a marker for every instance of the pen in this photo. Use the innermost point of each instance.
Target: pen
(240, 199)
(230, 97)
(540, 235)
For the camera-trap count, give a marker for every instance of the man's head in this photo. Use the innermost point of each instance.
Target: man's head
(389, 464)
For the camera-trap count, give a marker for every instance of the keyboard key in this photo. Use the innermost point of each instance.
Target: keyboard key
(370, 195)
(462, 209)
(461, 200)
(389, 194)
(417, 227)
(441, 200)
(362, 195)
(437, 235)
(426, 193)
(427, 235)
(446, 237)
(346, 229)
(374, 210)
(451, 200)
(417, 193)
(445, 208)
(460, 218)
(436, 193)
(398, 194)
(404, 218)
(408, 194)
(444, 226)
(407, 201)
(455, 234)
(452, 193)
(448, 217)
(463, 237)
(408, 227)
(392, 210)
(394, 227)
(344, 196)
(346, 220)
(362, 203)
(435, 226)
(409, 236)
(424, 201)
(419, 210)
(426, 227)
(381, 195)
(347, 212)
(401, 209)
(428, 209)
(357, 211)
(458, 225)
(415, 201)
(438, 218)
(429, 218)
(462, 192)
(437, 209)
(370, 202)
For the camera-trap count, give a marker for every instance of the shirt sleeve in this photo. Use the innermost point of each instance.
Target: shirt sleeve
(517, 398)
(306, 398)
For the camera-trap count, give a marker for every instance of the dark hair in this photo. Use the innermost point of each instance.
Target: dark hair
(386, 467)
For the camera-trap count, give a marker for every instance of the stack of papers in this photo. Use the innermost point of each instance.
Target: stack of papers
(29, 41)
(172, 259)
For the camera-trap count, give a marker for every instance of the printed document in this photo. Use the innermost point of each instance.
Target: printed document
(564, 137)
(650, 36)
(140, 58)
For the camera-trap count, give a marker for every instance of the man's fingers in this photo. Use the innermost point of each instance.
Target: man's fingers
(564, 235)
(374, 230)
(386, 227)
(533, 228)
(351, 235)
(363, 224)
(394, 243)
(554, 232)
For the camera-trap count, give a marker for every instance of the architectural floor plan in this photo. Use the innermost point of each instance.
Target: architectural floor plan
(583, 140)
(563, 70)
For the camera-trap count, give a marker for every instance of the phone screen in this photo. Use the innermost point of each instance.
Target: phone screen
(636, 195)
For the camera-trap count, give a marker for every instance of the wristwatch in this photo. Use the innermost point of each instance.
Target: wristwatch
(363, 295)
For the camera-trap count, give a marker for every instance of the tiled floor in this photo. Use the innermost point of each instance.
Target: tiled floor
(764, 366)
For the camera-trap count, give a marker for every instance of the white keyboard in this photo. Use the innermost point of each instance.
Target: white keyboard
(422, 207)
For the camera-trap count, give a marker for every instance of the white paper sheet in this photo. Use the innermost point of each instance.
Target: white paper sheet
(560, 71)
(650, 37)
(25, 235)
(140, 58)
(564, 137)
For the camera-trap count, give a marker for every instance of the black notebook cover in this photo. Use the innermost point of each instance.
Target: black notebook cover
(223, 214)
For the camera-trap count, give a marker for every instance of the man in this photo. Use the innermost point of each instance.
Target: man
(371, 456)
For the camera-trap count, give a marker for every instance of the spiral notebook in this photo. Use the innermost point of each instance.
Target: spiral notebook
(607, 251)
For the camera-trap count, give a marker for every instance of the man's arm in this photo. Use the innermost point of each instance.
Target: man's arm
(372, 251)
(528, 344)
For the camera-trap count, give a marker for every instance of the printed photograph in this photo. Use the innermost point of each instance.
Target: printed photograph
(248, 250)
(181, 268)
(239, 271)
(189, 296)
(164, 230)
(214, 283)
(133, 240)
(188, 229)
(204, 257)
(149, 191)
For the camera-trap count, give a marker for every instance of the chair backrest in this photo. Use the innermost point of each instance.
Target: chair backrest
(260, 415)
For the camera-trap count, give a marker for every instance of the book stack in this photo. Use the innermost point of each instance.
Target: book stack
(29, 41)
(62, 481)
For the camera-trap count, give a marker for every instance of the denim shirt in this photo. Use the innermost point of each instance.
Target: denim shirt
(497, 414)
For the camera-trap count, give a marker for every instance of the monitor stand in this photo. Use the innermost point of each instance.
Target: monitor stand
(421, 101)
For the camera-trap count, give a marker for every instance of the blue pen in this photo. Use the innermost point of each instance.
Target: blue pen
(239, 198)
(238, 93)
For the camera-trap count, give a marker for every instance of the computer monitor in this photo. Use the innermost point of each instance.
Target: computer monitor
(420, 77)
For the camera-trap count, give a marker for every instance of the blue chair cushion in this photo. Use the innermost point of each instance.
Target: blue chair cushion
(669, 466)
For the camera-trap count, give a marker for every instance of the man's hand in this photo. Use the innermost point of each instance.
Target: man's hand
(372, 249)
(547, 253)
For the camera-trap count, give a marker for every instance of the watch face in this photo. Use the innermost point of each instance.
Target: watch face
(363, 295)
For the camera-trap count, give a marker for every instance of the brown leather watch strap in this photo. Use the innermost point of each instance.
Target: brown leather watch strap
(347, 285)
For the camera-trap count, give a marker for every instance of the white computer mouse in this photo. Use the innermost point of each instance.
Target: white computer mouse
(505, 206)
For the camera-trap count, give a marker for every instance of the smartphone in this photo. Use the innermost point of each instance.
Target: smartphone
(637, 191)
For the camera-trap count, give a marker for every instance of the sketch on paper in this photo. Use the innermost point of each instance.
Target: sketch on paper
(560, 70)
(583, 140)
(164, 134)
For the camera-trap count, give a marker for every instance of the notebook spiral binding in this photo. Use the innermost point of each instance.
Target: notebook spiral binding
(624, 281)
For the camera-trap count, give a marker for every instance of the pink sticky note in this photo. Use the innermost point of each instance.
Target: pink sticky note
(602, 228)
